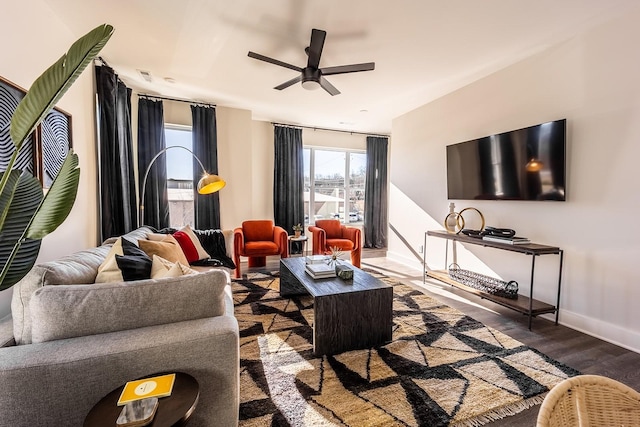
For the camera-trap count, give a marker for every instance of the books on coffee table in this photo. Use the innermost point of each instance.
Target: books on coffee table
(514, 240)
(320, 270)
(316, 259)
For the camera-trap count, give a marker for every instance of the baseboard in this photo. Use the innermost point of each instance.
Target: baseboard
(597, 328)
(406, 260)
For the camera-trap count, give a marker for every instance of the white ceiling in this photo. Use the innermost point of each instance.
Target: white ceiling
(422, 49)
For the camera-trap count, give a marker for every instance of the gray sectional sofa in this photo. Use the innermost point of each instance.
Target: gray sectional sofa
(70, 341)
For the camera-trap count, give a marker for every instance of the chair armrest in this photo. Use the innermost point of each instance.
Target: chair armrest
(352, 234)
(281, 238)
(58, 382)
(319, 240)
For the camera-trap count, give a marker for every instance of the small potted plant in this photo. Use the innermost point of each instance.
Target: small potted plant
(297, 230)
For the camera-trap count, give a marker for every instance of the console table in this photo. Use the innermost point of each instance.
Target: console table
(523, 304)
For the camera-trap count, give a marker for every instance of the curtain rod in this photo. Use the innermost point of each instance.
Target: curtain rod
(189, 101)
(329, 130)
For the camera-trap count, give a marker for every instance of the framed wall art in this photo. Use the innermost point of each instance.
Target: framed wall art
(44, 151)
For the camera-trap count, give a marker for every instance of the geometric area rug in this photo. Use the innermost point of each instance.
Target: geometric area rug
(442, 368)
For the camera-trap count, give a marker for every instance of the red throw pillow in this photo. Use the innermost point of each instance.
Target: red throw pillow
(187, 246)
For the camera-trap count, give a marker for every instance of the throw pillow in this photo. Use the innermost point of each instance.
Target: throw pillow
(134, 264)
(108, 270)
(188, 248)
(162, 268)
(202, 254)
(163, 245)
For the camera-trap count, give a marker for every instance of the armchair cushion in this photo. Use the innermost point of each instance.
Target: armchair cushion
(342, 244)
(332, 227)
(258, 230)
(67, 311)
(260, 248)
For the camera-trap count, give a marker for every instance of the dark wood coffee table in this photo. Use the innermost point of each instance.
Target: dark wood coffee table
(348, 315)
(173, 410)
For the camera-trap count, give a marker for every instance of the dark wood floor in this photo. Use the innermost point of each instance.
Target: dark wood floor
(583, 352)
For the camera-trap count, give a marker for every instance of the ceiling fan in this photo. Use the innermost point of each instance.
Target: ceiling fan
(311, 76)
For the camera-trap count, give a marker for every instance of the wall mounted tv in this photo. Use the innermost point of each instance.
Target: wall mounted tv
(524, 164)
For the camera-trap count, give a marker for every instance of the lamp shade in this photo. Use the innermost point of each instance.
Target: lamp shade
(210, 183)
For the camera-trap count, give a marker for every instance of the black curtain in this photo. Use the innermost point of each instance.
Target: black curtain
(288, 178)
(205, 147)
(115, 167)
(150, 143)
(376, 195)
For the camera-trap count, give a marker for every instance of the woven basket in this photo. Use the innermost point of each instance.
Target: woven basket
(484, 283)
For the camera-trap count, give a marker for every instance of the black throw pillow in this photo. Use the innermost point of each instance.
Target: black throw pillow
(134, 264)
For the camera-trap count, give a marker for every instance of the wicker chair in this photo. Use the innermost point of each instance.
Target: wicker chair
(590, 400)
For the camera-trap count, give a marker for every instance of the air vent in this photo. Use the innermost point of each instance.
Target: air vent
(145, 75)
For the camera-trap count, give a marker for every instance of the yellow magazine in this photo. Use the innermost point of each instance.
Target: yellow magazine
(160, 386)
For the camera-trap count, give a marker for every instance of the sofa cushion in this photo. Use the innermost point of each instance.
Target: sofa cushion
(81, 267)
(63, 311)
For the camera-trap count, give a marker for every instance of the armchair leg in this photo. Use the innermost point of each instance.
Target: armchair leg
(257, 261)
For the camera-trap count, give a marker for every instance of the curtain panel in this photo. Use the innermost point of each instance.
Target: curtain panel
(205, 147)
(118, 211)
(288, 178)
(150, 142)
(376, 193)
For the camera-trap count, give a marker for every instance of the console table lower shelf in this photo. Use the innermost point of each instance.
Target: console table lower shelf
(520, 304)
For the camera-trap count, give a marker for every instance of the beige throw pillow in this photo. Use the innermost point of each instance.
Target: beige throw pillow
(109, 270)
(163, 245)
(163, 268)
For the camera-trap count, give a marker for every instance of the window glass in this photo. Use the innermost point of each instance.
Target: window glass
(179, 177)
(328, 192)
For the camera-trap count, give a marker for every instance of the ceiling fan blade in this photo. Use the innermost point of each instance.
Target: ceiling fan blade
(315, 47)
(353, 68)
(273, 61)
(324, 83)
(289, 83)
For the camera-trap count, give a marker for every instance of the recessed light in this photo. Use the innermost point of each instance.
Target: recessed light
(169, 80)
(364, 111)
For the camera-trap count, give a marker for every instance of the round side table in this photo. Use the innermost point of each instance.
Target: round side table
(300, 238)
(173, 410)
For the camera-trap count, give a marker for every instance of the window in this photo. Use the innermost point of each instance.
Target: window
(334, 185)
(179, 176)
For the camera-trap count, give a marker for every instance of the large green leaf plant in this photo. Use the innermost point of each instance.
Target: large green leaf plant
(26, 213)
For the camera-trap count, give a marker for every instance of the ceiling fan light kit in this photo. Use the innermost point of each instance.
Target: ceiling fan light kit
(312, 77)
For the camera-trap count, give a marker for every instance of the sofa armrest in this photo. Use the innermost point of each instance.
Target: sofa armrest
(57, 382)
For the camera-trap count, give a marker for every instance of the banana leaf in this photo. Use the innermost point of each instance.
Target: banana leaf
(25, 216)
(17, 255)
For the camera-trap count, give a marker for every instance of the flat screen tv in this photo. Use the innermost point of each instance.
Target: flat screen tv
(523, 164)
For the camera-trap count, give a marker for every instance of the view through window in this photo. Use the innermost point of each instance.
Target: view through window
(179, 176)
(334, 185)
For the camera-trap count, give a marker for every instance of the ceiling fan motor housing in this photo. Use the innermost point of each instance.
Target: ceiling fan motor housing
(311, 78)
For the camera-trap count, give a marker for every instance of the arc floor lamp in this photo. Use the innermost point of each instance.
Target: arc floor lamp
(208, 184)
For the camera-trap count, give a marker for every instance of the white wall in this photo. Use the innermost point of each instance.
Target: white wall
(592, 81)
(33, 40)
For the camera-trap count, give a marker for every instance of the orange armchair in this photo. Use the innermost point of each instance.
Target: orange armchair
(256, 240)
(330, 233)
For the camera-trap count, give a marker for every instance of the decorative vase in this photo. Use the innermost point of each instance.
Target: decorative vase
(297, 233)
